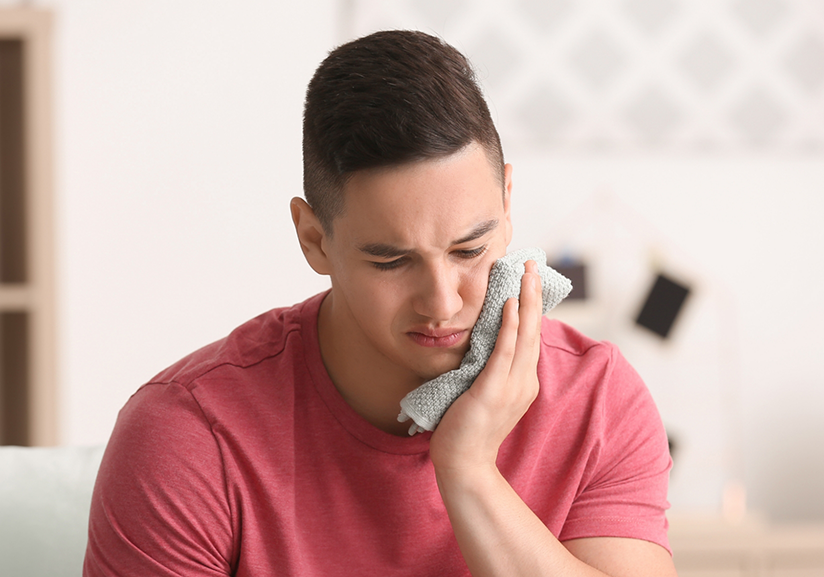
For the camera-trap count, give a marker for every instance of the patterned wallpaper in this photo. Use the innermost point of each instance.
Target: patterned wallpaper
(687, 75)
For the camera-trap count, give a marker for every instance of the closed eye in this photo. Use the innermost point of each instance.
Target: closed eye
(471, 253)
(399, 262)
(391, 265)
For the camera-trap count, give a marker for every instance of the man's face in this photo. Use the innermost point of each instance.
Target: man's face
(410, 259)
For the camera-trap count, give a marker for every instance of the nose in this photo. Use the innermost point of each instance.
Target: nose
(437, 294)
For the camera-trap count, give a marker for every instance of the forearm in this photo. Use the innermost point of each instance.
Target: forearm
(497, 532)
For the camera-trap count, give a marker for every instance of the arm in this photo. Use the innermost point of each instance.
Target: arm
(497, 532)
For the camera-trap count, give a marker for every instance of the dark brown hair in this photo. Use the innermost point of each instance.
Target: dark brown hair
(387, 99)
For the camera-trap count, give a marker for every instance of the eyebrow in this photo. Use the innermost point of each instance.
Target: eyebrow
(480, 230)
(381, 250)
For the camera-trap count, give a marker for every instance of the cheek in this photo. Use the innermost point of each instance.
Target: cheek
(377, 301)
(478, 276)
(475, 282)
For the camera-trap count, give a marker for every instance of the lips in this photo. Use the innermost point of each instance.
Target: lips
(438, 338)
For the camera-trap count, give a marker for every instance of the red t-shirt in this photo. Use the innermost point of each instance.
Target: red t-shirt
(243, 459)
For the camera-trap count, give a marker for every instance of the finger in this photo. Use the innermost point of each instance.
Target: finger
(531, 302)
(529, 327)
(500, 361)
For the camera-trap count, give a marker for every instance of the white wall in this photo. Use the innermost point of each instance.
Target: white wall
(178, 149)
(178, 145)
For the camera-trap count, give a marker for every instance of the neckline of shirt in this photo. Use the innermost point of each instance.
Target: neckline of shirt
(354, 424)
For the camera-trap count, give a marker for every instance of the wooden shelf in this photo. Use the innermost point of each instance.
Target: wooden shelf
(28, 408)
(15, 297)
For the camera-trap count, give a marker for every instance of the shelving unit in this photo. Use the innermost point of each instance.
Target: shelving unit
(27, 316)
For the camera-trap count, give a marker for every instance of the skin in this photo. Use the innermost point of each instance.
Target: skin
(409, 261)
(439, 226)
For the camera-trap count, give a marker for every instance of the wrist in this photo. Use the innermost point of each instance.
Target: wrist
(467, 480)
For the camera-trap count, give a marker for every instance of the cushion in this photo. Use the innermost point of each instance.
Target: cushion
(45, 494)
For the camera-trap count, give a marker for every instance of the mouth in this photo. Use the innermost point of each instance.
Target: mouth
(438, 338)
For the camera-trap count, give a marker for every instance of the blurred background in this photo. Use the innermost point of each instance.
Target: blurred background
(651, 139)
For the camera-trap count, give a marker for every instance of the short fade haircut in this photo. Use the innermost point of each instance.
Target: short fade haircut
(388, 99)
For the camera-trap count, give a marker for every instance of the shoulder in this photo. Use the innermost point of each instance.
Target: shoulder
(263, 337)
(225, 385)
(576, 367)
(237, 383)
(167, 465)
(567, 355)
(593, 390)
(566, 339)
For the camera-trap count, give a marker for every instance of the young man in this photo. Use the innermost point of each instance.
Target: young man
(277, 451)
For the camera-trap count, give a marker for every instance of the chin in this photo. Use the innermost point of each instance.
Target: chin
(427, 364)
(433, 370)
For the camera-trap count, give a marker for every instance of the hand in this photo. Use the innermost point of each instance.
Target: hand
(470, 433)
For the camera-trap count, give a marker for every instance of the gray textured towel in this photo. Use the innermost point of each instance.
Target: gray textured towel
(427, 404)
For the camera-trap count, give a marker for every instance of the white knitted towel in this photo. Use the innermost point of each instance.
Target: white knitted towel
(427, 404)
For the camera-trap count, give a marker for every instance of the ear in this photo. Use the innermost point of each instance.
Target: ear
(508, 201)
(311, 236)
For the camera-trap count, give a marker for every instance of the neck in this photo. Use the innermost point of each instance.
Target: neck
(369, 382)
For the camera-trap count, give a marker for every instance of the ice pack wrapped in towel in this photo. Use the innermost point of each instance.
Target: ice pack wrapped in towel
(427, 404)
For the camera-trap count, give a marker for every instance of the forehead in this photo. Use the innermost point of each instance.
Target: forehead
(436, 196)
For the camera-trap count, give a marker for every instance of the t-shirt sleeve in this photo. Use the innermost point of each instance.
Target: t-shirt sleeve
(160, 504)
(625, 489)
